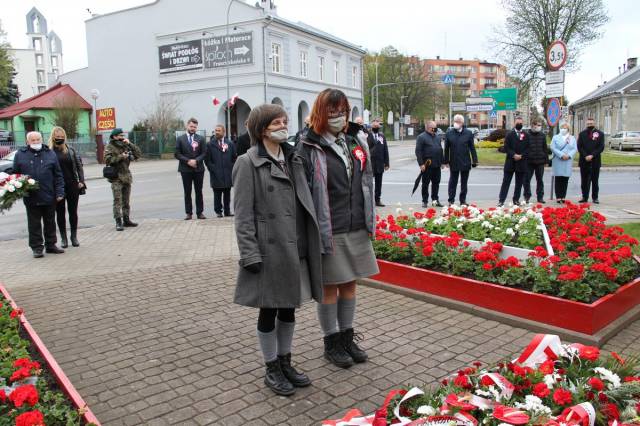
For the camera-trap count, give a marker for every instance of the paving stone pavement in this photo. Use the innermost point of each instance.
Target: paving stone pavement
(142, 323)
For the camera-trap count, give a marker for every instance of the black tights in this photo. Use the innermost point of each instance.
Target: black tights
(267, 318)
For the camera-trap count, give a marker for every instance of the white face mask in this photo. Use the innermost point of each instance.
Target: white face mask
(279, 136)
(36, 146)
(457, 126)
(337, 124)
(537, 129)
(564, 132)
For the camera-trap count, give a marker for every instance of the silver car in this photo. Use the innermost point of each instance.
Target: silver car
(625, 140)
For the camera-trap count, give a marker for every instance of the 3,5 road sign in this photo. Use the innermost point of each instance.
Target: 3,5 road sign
(553, 112)
(557, 55)
(448, 79)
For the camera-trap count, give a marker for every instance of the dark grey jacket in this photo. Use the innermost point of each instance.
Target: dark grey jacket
(459, 150)
(265, 223)
(185, 152)
(428, 147)
(220, 163)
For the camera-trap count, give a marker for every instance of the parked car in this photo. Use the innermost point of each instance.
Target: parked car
(6, 136)
(625, 140)
(6, 163)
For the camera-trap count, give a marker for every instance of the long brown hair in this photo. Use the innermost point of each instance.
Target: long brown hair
(328, 99)
(52, 144)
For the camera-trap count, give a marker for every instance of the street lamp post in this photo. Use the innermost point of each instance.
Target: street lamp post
(228, 58)
(402, 119)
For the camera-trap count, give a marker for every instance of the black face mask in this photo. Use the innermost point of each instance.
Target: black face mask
(375, 129)
(58, 141)
(519, 126)
(590, 128)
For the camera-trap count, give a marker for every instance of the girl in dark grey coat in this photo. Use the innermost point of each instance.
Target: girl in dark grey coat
(279, 241)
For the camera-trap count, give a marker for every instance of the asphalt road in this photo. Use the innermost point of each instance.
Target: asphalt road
(157, 191)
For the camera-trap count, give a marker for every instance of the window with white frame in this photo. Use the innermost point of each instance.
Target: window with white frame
(40, 77)
(276, 57)
(354, 76)
(321, 68)
(303, 63)
(607, 121)
(336, 71)
(39, 60)
(54, 62)
(37, 44)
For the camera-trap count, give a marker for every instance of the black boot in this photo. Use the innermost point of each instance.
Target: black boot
(299, 380)
(64, 242)
(74, 238)
(334, 351)
(119, 226)
(276, 380)
(126, 222)
(53, 249)
(357, 354)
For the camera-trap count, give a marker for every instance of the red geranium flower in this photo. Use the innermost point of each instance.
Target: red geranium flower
(30, 418)
(462, 381)
(590, 353)
(541, 390)
(562, 397)
(15, 313)
(546, 367)
(3, 396)
(486, 381)
(596, 384)
(22, 394)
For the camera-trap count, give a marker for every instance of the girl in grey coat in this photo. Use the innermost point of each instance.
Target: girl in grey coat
(279, 241)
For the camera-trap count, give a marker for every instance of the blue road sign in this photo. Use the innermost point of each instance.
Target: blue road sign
(493, 114)
(553, 112)
(448, 79)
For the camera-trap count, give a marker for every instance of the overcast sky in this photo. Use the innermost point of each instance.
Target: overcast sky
(450, 29)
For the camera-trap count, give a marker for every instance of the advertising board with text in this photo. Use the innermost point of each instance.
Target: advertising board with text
(181, 56)
(105, 119)
(238, 48)
(505, 99)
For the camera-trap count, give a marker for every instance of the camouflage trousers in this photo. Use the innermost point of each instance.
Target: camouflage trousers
(121, 195)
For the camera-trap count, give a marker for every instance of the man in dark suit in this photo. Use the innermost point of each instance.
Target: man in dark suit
(516, 146)
(460, 155)
(379, 157)
(190, 152)
(590, 147)
(429, 156)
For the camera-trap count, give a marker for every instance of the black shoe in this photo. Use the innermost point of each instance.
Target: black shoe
(348, 341)
(582, 200)
(425, 205)
(436, 203)
(54, 250)
(64, 242)
(188, 217)
(276, 380)
(228, 214)
(119, 226)
(500, 204)
(526, 200)
(464, 203)
(74, 239)
(37, 253)
(380, 204)
(297, 379)
(334, 351)
(596, 202)
(127, 223)
(542, 201)
(218, 214)
(201, 216)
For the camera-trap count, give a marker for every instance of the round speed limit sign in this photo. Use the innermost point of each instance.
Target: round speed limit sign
(557, 55)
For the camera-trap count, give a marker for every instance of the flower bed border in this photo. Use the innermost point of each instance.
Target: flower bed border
(593, 323)
(61, 378)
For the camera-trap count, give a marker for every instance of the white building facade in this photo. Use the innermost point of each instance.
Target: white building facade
(38, 66)
(176, 49)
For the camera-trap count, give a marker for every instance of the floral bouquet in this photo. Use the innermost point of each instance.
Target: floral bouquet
(14, 187)
(550, 384)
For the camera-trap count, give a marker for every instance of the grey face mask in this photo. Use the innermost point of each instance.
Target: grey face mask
(279, 136)
(337, 124)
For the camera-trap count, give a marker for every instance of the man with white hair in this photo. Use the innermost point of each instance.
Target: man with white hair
(460, 155)
(40, 163)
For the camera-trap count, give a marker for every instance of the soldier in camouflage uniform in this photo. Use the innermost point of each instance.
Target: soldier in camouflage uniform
(119, 153)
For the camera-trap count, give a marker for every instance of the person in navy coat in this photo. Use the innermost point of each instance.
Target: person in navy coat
(220, 158)
(379, 157)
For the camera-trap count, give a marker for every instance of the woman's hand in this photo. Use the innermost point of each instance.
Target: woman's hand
(80, 185)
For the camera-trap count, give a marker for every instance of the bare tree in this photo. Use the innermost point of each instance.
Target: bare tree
(164, 116)
(532, 25)
(66, 114)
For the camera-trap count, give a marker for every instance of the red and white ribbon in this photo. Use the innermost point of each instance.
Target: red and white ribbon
(582, 414)
(506, 387)
(541, 348)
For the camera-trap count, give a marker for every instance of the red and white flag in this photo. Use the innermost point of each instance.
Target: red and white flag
(215, 100)
(232, 100)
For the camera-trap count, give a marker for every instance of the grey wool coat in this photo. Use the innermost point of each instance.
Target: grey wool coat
(265, 223)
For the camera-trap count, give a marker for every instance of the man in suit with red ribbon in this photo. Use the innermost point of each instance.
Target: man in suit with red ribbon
(190, 152)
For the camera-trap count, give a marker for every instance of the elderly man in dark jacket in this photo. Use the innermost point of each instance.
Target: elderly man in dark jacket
(429, 156)
(537, 158)
(190, 152)
(221, 156)
(41, 164)
(379, 157)
(460, 155)
(516, 145)
(590, 147)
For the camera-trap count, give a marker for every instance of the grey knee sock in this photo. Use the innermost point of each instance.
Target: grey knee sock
(327, 315)
(268, 344)
(346, 312)
(284, 331)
